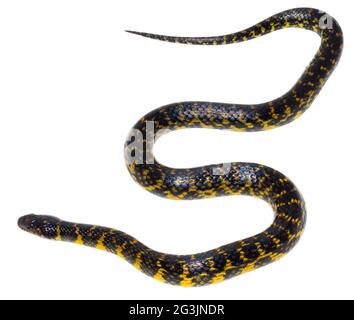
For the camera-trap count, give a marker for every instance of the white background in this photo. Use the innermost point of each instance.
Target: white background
(72, 83)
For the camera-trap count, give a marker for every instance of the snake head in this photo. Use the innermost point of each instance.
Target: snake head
(43, 226)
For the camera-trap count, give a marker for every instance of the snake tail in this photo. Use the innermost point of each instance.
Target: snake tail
(236, 178)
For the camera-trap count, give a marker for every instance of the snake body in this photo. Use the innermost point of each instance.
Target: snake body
(215, 180)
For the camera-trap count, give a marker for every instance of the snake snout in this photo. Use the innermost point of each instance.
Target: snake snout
(26, 222)
(44, 226)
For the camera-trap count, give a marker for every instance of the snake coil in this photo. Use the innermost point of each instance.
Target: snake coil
(216, 180)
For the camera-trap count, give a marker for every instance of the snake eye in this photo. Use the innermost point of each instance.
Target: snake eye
(37, 224)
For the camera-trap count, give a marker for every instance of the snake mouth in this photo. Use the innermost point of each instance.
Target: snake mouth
(27, 222)
(39, 225)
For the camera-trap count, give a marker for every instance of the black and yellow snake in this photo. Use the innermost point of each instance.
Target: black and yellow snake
(216, 180)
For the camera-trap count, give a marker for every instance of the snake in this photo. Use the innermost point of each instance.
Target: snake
(236, 178)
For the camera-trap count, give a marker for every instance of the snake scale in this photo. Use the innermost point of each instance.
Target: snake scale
(215, 180)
